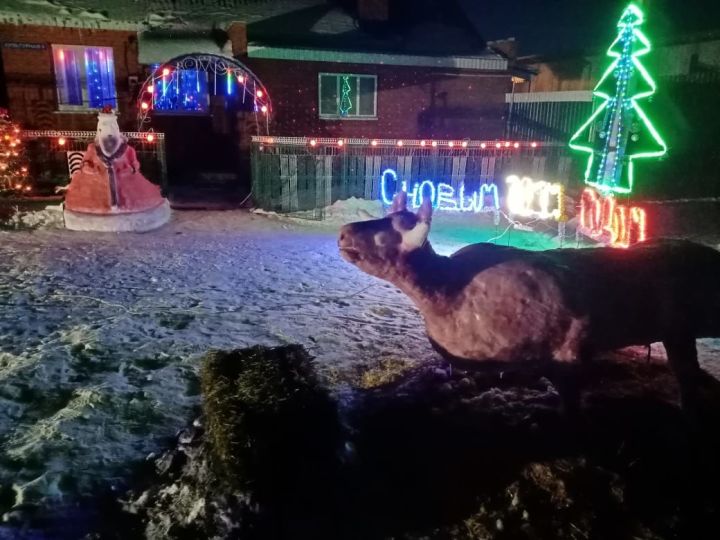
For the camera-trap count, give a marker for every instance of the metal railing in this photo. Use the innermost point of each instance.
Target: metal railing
(49, 155)
(305, 175)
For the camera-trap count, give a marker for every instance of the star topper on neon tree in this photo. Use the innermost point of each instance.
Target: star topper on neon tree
(619, 131)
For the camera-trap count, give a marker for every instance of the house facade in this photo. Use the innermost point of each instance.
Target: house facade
(48, 84)
(55, 75)
(365, 69)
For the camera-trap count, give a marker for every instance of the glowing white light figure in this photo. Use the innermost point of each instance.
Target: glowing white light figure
(530, 198)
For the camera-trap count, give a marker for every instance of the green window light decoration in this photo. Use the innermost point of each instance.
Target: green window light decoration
(345, 101)
(619, 131)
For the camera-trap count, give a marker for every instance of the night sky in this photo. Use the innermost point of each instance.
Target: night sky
(556, 26)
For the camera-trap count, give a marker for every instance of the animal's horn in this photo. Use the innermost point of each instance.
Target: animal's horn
(424, 213)
(399, 203)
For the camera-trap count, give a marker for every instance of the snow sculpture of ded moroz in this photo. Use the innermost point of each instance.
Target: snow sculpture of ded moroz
(109, 193)
(495, 303)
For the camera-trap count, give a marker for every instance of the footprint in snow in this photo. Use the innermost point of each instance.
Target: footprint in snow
(382, 311)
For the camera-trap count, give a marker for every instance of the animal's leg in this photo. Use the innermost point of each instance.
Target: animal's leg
(570, 379)
(567, 380)
(682, 357)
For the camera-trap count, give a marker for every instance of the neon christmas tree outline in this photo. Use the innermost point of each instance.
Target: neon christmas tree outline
(345, 103)
(610, 175)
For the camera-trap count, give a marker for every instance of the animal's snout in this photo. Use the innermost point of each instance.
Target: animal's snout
(346, 244)
(345, 238)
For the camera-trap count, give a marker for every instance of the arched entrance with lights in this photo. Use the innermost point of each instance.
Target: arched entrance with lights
(209, 106)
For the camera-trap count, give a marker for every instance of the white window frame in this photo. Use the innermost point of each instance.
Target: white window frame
(337, 115)
(80, 50)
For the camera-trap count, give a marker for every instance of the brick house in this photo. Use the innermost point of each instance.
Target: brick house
(365, 68)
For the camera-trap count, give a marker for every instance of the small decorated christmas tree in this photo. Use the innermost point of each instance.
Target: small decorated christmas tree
(13, 172)
(619, 131)
(345, 102)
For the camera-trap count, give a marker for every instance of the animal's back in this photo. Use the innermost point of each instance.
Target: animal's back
(597, 298)
(647, 292)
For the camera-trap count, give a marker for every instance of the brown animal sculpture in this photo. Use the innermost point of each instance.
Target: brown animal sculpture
(495, 303)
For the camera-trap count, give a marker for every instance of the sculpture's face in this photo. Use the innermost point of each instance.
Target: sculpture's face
(108, 134)
(379, 246)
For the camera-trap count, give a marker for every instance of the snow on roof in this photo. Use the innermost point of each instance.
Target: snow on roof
(143, 14)
(156, 49)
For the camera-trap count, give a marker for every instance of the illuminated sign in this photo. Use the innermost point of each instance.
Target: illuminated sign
(443, 196)
(535, 199)
(623, 225)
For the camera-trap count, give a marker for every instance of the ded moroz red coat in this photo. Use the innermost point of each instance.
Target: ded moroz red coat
(109, 185)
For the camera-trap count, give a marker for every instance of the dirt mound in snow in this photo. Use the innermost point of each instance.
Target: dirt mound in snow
(432, 453)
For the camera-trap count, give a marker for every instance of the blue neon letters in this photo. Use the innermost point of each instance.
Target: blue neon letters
(442, 195)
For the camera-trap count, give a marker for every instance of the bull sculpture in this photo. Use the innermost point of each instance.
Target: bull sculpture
(490, 303)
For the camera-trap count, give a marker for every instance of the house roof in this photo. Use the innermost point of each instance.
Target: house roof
(428, 27)
(144, 14)
(428, 33)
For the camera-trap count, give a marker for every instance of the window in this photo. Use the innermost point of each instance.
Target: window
(85, 77)
(346, 96)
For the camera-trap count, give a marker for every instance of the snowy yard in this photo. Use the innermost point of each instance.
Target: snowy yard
(101, 334)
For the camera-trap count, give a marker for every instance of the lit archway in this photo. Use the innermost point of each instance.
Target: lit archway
(185, 84)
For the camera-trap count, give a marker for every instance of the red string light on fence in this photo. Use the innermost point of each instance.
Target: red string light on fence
(150, 137)
(313, 142)
(144, 106)
(401, 143)
(264, 108)
(61, 141)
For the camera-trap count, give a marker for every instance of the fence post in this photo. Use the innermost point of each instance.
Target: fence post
(163, 166)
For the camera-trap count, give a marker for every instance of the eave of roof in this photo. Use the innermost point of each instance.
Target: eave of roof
(486, 62)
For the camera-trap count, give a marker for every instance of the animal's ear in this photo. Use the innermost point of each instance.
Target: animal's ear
(399, 203)
(424, 214)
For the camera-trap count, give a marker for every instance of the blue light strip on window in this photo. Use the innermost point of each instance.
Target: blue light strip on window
(99, 71)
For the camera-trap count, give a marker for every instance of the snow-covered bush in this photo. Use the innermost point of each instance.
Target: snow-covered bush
(49, 218)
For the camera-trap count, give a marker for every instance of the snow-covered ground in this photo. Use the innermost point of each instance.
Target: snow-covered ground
(101, 334)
